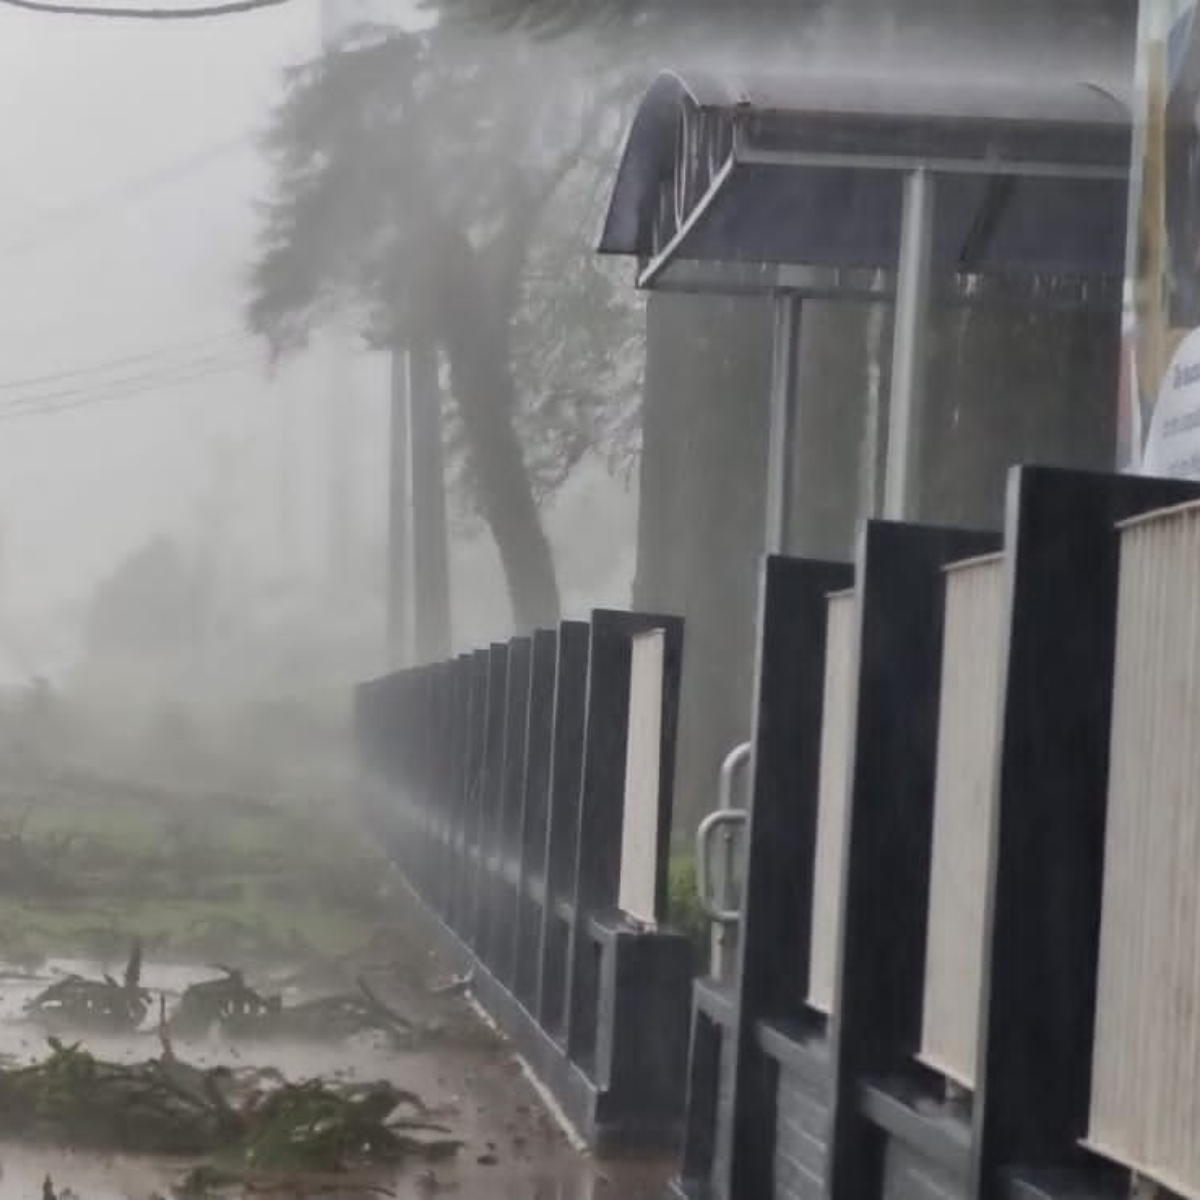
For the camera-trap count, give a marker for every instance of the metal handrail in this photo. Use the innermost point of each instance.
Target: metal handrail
(724, 816)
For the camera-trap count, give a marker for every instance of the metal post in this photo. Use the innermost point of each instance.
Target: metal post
(909, 345)
(284, 497)
(430, 568)
(341, 443)
(399, 541)
(781, 459)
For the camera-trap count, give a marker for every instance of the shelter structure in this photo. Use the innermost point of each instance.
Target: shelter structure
(922, 197)
(906, 190)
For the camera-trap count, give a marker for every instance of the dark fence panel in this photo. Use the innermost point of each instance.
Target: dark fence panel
(785, 1101)
(597, 871)
(534, 817)
(1048, 840)
(781, 852)
(562, 824)
(876, 1029)
(498, 783)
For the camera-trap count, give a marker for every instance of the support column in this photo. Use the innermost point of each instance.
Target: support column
(781, 458)
(399, 545)
(431, 571)
(909, 349)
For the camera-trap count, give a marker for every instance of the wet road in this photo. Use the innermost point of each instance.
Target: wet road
(514, 1149)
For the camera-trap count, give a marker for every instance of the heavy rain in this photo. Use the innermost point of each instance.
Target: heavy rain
(507, 516)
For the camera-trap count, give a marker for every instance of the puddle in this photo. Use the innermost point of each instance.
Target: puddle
(514, 1150)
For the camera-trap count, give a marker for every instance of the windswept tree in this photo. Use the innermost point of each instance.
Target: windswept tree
(444, 186)
(704, 418)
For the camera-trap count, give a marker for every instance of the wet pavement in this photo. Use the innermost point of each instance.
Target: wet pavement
(514, 1149)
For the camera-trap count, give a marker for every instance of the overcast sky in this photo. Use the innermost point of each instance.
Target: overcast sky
(126, 225)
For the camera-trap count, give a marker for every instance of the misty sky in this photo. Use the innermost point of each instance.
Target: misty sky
(126, 224)
(126, 227)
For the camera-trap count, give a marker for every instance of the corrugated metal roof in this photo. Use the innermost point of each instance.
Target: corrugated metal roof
(909, 96)
(802, 207)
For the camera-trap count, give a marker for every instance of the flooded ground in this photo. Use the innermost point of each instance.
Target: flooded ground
(290, 892)
(514, 1149)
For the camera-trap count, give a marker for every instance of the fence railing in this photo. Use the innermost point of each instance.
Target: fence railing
(1145, 1105)
(970, 910)
(837, 733)
(1009, 1006)
(962, 816)
(524, 791)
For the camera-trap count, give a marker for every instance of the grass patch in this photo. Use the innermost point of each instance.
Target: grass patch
(683, 902)
(193, 877)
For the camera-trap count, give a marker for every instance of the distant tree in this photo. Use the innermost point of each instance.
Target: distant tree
(444, 186)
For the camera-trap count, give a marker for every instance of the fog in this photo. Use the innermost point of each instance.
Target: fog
(129, 219)
(134, 405)
(196, 464)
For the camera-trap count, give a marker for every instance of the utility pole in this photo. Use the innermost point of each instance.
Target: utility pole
(418, 589)
(335, 18)
(284, 488)
(399, 564)
(341, 445)
(431, 575)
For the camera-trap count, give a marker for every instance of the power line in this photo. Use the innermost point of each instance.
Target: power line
(166, 371)
(88, 401)
(228, 9)
(7, 385)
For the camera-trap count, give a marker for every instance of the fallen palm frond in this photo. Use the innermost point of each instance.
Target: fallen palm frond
(242, 1122)
(105, 1005)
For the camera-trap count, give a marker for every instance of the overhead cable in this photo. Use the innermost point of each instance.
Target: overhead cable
(120, 12)
(7, 385)
(162, 373)
(155, 385)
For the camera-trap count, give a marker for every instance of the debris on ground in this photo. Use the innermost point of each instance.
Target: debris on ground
(239, 1122)
(103, 1005)
(459, 986)
(316, 952)
(159, 1107)
(214, 1003)
(315, 1127)
(330, 1018)
(230, 1006)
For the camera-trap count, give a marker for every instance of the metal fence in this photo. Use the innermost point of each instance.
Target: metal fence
(969, 912)
(996, 988)
(837, 731)
(503, 784)
(1145, 1095)
(962, 816)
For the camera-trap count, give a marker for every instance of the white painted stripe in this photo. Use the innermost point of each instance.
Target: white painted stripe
(837, 731)
(968, 721)
(1145, 1103)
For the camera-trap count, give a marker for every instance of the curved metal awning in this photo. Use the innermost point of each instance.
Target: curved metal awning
(797, 183)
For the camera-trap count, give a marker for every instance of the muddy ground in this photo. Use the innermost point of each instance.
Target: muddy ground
(513, 1147)
(289, 895)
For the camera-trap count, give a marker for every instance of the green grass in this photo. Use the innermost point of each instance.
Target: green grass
(683, 902)
(163, 870)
